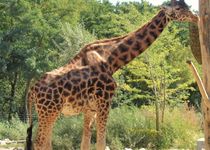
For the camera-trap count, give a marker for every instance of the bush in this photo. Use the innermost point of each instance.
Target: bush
(127, 126)
(135, 128)
(13, 130)
(181, 128)
(67, 133)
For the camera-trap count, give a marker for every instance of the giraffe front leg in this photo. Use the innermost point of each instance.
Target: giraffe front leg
(44, 133)
(89, 118)
(101, 121)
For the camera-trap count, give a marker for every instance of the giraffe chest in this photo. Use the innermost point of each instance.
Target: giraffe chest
(78, 106)
(69, 110)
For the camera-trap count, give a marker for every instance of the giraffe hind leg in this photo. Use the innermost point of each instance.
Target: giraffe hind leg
(89, 118)
(101, 120)
(44, 133)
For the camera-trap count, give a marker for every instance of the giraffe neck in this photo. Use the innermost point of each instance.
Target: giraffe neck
(137, 42)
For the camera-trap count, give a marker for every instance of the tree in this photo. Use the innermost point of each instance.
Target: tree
(205, 51)
(164, 59)
(28, 32)
(106, 20)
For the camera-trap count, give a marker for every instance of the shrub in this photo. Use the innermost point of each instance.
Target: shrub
(181, 129)
(131, 128)
(13, 130)
(127, 126)
(135, 128)
(67, 133)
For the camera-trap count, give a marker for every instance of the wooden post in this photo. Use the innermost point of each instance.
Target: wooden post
(204, 32)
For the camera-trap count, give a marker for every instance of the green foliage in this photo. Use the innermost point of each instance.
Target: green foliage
(160, 73)
(28, 34)
(75, 37)
(38, 36)
(176, 125)
(134, 129)
(13, 130)
(67, 133)
(107, 21)
(24, 41)
(26, 49)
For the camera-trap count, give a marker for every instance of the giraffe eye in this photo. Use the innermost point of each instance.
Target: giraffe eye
(178, 8)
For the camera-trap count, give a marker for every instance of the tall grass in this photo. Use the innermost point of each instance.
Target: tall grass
(13, 130)
(135, 128)
(127, 127)
(67, 133)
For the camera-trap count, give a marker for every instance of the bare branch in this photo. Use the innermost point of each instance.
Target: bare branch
(200, 83)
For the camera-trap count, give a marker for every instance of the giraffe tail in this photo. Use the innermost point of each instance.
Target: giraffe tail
(29, 143)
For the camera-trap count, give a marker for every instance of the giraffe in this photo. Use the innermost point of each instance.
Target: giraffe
(85, 84)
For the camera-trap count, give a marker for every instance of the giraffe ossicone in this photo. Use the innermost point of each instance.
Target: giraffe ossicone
(85, 85)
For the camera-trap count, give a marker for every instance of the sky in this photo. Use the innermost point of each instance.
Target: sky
(193, 3)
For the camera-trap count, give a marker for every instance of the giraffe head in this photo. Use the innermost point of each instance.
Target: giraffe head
(179, 11)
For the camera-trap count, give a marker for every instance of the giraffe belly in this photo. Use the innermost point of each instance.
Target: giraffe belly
(68, 110)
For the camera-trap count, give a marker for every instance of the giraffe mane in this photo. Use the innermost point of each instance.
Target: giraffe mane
(85, 48)
(107, 40)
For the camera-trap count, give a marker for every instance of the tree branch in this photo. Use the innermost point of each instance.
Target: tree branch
(200, 83)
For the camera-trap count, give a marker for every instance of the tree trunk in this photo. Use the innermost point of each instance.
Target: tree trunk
(12, 95)
(26, 100)
(204, 31)
(157, 108)
(157, 114)
(164, 96)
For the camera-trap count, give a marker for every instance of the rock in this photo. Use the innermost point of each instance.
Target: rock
(3, 142)
(200, 144)
(107, 148)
